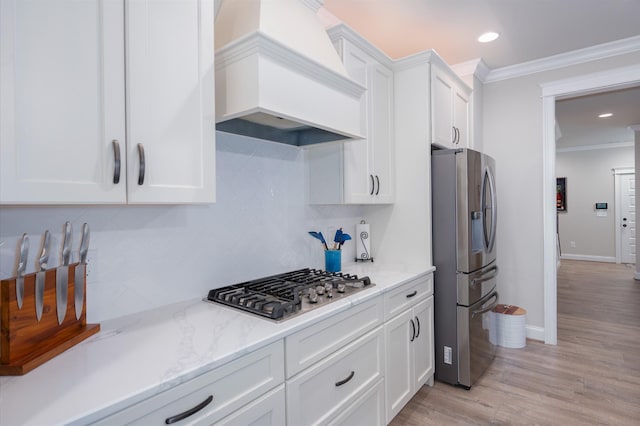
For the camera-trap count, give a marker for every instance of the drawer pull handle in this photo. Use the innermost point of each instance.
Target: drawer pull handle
(409, 296)
(418, 324)
(189, 412)
(342, 382)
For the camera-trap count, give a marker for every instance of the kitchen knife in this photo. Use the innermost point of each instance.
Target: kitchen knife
(22, 266)
(41, 274)
(62, 275)
(81, 270)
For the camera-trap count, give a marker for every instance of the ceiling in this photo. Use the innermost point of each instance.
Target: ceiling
(529, 30)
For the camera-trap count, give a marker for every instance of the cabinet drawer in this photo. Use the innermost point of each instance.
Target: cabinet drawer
(407, 295)
(325, 389)
(232, 386)
(368, 410)
(268, 410)
(314, 343)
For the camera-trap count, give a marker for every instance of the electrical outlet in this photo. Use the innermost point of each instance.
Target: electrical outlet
(447, 355)
(572, 244)
(92, 265)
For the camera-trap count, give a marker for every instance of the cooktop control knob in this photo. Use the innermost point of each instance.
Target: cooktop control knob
(320, 290)
(341, 288)
(313, 296)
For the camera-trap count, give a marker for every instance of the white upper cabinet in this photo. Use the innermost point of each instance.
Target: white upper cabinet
(449, 109)
(78, 114)
(361, 171)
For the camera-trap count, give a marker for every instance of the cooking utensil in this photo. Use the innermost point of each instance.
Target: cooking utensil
(343, 238)
(81, 270)
(22, 266)
(41, 273)
(337, 238)
(62, 275)
(319, 236)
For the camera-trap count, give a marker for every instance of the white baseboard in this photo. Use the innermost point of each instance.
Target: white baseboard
(535, 333)
(588, 258)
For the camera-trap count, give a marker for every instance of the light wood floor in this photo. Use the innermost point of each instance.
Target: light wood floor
(591, 377)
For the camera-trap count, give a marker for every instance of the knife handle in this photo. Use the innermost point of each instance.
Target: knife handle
(116, 157)
(142, 164)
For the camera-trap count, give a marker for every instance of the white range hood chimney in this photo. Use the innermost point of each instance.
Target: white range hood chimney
(278, 76)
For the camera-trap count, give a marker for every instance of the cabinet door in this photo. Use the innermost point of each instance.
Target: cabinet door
(359, 180)
(170, 101)
(399, 363)
(442, 132)
(461, 118)
(423, 343)
(62, 104)
(381, 137)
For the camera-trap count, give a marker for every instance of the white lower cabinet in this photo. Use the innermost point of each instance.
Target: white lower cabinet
(268, 410)
(368, 410)
(231, 388)
(325, 390)
(409, 347)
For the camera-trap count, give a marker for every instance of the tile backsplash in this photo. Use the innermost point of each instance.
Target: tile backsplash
(149, 256)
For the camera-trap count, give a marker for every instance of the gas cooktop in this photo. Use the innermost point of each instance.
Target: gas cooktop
(280, 297)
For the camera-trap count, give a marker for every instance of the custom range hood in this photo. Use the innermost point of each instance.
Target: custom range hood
(278, 76)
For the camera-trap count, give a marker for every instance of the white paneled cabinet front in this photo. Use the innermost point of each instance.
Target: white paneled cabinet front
(409, 346)
(107, 102)
(248, 390)
(449, 109)
(328, 388)
(361, 171)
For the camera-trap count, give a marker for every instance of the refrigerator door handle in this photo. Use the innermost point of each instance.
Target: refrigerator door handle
(488, 308)
(491, 274)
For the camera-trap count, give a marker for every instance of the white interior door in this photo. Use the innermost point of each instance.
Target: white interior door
(626, 217)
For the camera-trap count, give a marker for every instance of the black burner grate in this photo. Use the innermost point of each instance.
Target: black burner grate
(278, 296)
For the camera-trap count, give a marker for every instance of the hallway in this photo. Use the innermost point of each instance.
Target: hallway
(591, 377)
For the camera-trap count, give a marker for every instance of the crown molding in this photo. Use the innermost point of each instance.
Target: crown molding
(476, 67)
(596, 147)
(600, 51)
(342, 30)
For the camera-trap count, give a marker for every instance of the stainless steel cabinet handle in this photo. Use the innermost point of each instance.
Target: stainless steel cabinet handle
(457, 135)
(142, 164)
(378, 182)
(189, 412)
(453, 137)
(373, 185)
(413, 331)
(343, 381)
(410, 295)
(418, 324)
(116, 158)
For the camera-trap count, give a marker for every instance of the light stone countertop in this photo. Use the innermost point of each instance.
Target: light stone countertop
(135, 357)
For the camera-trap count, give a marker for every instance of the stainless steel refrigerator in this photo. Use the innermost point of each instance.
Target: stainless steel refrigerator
(464, 219)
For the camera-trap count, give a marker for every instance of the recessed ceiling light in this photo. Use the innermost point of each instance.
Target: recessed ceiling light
(488, 36)
(608, 114)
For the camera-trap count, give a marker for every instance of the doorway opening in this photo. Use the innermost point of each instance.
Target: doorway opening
(593, 83)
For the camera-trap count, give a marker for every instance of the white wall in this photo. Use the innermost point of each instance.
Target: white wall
(149, 256)
(590, 180)
(513, 136)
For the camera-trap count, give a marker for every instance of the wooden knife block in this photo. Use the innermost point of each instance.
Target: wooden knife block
(25, 342)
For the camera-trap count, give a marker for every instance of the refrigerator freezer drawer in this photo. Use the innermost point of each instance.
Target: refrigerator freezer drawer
(477, 285)
(475, 350)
